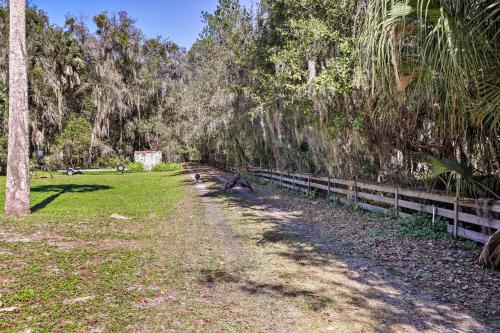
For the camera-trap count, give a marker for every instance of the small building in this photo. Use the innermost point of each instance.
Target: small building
(148, 158)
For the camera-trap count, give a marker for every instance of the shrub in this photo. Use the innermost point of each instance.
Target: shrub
(160, 167)
(110, 161)
(74, 143)
(134, 166)
(420, 225)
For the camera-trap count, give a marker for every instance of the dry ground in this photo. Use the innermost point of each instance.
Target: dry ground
(313, 255)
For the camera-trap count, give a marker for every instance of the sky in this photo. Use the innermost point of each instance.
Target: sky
(177, 20)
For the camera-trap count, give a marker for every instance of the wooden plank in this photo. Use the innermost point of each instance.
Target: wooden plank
(425, 209)
(300, 175)
(437, 211)
(377, 187)
(295, 188)
(333, 180)
(469, 234)
(427, 195)
(369, 207)
(448, 213)
(342, 191)
(474, 219)
(361, 184)
(300, 182)
(471, 203)
(373, 208)
(328, 191)
(413, 193)
(376, 197)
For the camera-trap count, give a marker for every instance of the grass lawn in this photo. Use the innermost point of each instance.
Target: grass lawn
(71, 267)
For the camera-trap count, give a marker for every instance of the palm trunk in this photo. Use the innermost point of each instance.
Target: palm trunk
(17, 199)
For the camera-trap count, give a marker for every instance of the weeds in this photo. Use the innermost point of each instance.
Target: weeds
(420, 225)
(354, 208)
(311, 194)
(134, 166)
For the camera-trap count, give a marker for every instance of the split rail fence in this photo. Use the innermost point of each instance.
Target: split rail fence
(468, 218)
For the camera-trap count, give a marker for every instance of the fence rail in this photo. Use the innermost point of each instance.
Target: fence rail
(461, 213)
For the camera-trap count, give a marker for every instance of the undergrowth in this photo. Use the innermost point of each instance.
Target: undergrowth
(420, 225)
(134, 166)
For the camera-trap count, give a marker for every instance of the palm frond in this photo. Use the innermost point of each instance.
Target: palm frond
(460, 176)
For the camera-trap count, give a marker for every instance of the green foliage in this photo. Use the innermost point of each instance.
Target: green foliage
(311, 194)
(3, 153)
(25, 294)
(307, 84)
(354, 208)
(337, 125)
(378, 214)
(74, 143)
(333, 201)
(462, 177)
(420, 225)
(109, 161)
(134, 166)
(161, 167)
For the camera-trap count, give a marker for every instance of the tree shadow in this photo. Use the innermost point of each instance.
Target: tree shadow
(62, 189)
(345, 280)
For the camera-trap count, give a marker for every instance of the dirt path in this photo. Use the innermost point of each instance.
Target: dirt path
(305, 282)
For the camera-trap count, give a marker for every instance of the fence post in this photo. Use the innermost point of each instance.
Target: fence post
(455, 219)
(308, 183)
(281, 178)
(433, 216)
(396, 201)
(356, 189)
(271, 172)
(328, 190)
(293, 187)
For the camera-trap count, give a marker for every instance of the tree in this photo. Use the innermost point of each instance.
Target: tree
(17, 200)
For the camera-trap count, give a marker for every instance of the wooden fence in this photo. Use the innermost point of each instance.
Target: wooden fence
(462, 213)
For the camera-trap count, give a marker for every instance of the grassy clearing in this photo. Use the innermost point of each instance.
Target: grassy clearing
(187, 262)
(70, 265)
(174, 265)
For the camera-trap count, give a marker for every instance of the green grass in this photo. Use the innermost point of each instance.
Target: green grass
(161, 167)
(70, 267)
(83, 269)
(89, 195)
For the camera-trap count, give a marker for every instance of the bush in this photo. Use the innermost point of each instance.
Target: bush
(74, 143)
(134, 166)
(160, 167)
(420, 225)
(110, 161)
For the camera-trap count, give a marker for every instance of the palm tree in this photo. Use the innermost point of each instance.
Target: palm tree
(17, 200)
(443, 54)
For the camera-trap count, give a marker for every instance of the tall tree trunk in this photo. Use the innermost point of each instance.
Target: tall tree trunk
(17, 200)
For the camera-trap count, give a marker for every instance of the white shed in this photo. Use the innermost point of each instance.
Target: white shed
(148, 158)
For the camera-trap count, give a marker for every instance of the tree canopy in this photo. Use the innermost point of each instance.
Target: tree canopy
(354, 88)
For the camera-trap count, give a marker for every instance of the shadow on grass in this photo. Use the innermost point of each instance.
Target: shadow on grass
(62, 189)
